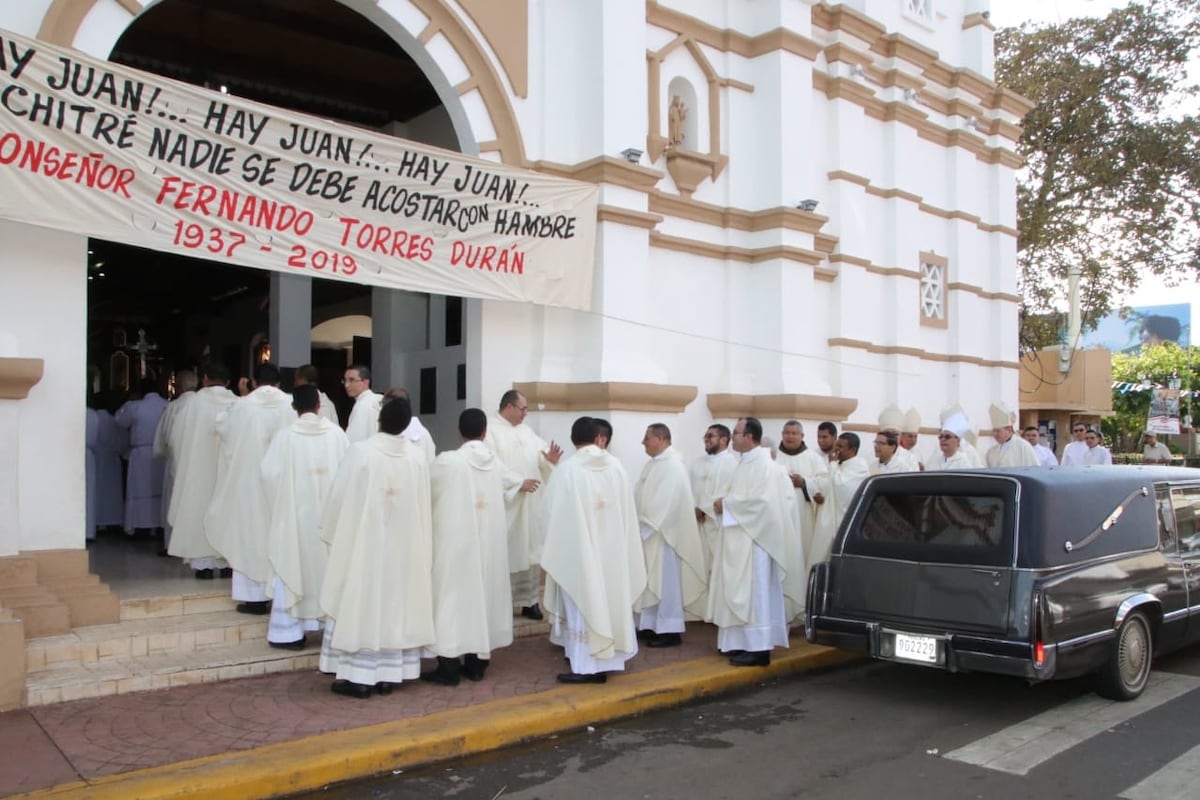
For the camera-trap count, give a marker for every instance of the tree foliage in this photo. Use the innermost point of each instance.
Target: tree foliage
(1152, 366)
(1112, 178)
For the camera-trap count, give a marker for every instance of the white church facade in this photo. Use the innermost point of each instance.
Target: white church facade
(805, 210)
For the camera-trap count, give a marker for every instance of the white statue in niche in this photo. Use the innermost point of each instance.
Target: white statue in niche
(676, 116)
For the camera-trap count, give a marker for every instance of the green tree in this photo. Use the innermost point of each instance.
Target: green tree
(1152, 366)
(1112, 179)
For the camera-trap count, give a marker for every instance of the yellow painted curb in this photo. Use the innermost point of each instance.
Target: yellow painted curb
(317, 761)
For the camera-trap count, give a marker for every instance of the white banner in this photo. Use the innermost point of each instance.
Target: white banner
(93, 147)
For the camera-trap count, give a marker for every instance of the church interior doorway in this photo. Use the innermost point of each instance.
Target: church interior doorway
(152, 313)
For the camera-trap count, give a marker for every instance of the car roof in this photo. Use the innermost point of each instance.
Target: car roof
(1061, 504)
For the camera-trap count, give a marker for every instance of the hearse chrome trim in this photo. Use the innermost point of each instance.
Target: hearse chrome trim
(1171, 616)
(1109, 521)
(1130, 603)
(1089, 638)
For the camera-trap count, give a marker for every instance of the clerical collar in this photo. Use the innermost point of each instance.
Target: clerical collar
(783, 448)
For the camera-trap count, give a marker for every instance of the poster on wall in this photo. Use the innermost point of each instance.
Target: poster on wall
(97, 148)
(1164, 411)
(1142, 326)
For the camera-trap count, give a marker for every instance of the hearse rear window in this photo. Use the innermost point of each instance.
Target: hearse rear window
(953, 528)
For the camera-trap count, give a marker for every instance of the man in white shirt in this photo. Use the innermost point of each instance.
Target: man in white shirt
(676, 572)
(827, 441)
(710, 480)
(1097, 453)
(1045, 454)
(1154, 451)
(849, 473)
(1075, 450)
(364, 417)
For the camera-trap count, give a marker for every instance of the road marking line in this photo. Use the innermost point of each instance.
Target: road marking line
(1175, 781)
(1019, 748)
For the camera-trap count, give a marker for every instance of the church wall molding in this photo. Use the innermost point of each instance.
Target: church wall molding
(789, 406)
(748, 255)
(917, 352)
(607, 396)
(916, 199)
(18, 376)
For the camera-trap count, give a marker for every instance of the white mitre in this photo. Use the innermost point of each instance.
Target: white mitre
(1001, 416)
(891, 419)
(957, 423)
(912, 421)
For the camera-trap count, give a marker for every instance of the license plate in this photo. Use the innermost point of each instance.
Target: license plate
(916, 648)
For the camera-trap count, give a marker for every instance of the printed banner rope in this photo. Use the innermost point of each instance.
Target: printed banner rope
(98, 148)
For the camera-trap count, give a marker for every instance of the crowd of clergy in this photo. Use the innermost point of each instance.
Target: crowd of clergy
(399, 553)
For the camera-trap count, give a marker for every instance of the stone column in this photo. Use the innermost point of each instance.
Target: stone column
(399, 325)
(291, 319)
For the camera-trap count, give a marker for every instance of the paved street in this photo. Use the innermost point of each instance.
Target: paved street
(868, 730)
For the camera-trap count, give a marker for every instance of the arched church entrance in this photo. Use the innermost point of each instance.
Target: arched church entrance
(152, 314)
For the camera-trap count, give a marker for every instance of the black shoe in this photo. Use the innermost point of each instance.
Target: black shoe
(299, 644)
(760, 659)
(573, 677)
(474, 667)
(204, 575)
(162, 552)
(665, 640)
(446, 673)
(227, 572)
(532, 612)
(645, 635)
(386, 687)
(258, 607)
(359, 690)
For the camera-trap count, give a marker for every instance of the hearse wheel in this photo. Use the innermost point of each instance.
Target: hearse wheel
(1128, 668)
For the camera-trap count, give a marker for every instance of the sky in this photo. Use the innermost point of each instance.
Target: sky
(1006, 13)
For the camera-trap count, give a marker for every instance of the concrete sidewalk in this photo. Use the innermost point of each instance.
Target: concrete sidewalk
(285, 733)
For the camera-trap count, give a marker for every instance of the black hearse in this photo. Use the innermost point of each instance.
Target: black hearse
(1038, 573)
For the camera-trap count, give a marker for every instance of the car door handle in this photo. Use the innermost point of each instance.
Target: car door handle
(994, 573)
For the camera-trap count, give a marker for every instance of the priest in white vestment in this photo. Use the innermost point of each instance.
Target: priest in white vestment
(472, 599)
(111, 445)
(808, 471)
(1077, 448)
(185, 391)
(710, 479)
(890, 457)
(846, 476)
(532, 459)
(307, 375)
(595, 571)
(378, 589)
(676, 571)
(144, 482)
(950, 441)
(237, 518)
(1044, 454)
(1097, 454)
(758, 575)
(416, 433)
(364, 416)
(193, 437)
(968, 440)
(1010, 450)
(298, 469)
(909, 431)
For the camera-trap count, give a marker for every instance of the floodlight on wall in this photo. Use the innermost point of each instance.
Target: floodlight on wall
(632, 154)
(910, 95)
(858, 70)
(971, 122)
(809, 205)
